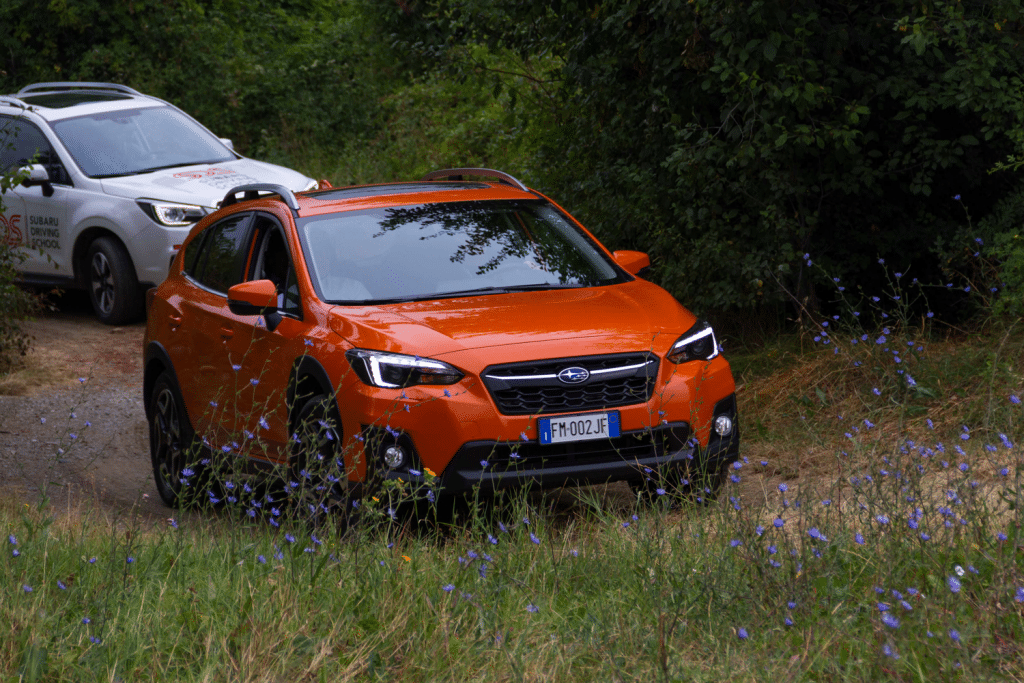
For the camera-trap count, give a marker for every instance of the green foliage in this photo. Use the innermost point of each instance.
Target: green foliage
(281, 79)
(729, 139)
(15, 303)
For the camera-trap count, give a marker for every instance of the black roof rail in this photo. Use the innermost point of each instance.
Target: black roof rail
(455, 173)
(61, 86)
(252, 191)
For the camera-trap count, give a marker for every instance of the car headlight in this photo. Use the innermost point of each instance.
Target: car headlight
(698, 343)
(394, 370)
(171, 214)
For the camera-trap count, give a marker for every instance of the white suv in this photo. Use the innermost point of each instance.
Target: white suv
(116, 179)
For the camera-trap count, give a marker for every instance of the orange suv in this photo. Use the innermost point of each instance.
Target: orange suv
(459, 331)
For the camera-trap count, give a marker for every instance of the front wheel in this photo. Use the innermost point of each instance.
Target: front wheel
(113, 286)
(318, 476)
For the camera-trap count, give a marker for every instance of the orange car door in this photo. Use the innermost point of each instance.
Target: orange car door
(205, 366)
(266, 356)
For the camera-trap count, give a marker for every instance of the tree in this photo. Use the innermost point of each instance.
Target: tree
(731, 138)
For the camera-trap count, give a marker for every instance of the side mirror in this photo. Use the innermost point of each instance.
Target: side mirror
(256, 297)
(38, 176)
(228, 142)
(633, 262)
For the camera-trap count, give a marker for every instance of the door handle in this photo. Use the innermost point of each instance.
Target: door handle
(175, 320)
(227, 332)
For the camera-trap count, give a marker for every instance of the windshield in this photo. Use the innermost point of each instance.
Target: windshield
(432, 251)
(135, 141)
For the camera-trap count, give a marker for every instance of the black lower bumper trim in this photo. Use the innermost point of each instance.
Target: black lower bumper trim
(629, 457)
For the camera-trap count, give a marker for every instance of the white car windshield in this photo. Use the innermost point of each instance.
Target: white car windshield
(134, 141)
(445, 250)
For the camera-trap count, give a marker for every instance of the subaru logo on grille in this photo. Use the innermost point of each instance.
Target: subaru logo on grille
(573, 375)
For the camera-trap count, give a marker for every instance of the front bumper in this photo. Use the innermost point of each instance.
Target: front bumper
(492, 465)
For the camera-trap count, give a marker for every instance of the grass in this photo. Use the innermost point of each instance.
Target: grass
(870, 532)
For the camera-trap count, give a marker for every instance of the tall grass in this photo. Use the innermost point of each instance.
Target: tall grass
(870, 532)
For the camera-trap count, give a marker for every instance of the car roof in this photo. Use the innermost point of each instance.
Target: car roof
(436, 187)
(65, 99)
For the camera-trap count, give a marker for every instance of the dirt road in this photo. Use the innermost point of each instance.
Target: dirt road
(75, 429)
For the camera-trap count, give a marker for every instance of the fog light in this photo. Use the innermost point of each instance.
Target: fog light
(394, 456)
(723, 425)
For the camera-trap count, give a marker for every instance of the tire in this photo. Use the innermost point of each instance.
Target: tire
(316, 453)
(172, 443)
(113, 286)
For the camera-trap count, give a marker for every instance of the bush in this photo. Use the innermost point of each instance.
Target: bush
(15, 303)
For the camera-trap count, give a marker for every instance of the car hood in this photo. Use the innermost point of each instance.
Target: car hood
(203, 184)
(630, 316)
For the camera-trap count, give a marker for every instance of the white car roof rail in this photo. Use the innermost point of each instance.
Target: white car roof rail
(455, 173)
(64, 86)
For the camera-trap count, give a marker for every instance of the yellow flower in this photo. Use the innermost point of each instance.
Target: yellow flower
(406, 558)
(430, 472)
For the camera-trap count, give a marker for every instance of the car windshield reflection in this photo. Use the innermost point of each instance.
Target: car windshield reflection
(133, 141)
(433, 251)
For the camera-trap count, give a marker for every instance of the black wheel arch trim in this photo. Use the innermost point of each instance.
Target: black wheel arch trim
(155, 361)
(306, 369)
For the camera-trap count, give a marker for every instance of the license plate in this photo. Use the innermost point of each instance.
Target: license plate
(578, 427)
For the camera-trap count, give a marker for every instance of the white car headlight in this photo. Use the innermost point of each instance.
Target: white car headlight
(395, 370)
(171, 214)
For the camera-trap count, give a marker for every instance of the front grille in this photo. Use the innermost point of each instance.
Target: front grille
(533, 388)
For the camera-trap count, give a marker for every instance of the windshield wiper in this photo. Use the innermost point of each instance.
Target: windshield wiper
(152, 169)
(479, 291)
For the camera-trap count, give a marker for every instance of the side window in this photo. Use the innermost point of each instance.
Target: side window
(272, 262)
(188, 265)
(22, 143)
(223, 254)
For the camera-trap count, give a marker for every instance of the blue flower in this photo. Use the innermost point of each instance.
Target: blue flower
(956, 198)
(532, 608)
(954, 635)
(953, 583)
(882, 519)
(783, 487)
(448, 588)
(742, 634)
(735, 543)
(534, 539)
(890, 620)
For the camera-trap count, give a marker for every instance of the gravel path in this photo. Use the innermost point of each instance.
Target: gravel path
(78, 441)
